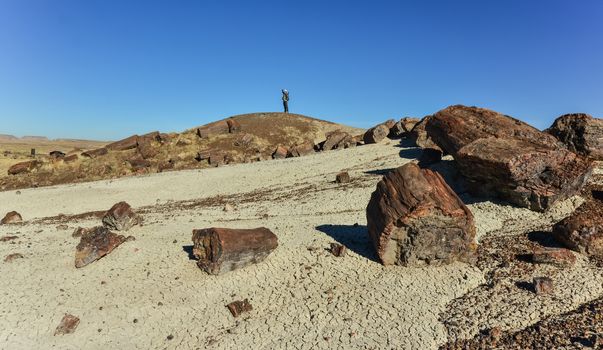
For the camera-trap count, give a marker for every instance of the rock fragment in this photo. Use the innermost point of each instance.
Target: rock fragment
(342, 177)
(559, 257)
(581, 133)
(11, 218)
(280, 153)
(96, 243)
(95, 153)
(543, 285)
(220, 250)
(337, 249)
(12, 257)
(302, 149)
(238, 307)
(415, 218)
(233, 126)
(68, 325)
(582, 231)
(337, 140)
(121, 217)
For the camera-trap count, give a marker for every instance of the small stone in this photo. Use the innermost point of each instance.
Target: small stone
(11, 218)
(337, 249)
(170, 337)
(62, 227)
(13, 257)
(555, 256)
(228, 207)
(238, 307)
(342, 177)
(68, 325)
(8, 238)
(543, 285)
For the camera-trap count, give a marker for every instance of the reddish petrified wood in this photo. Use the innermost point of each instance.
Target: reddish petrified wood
(581, 133)
(233, 126)
(238, 307)
(342, 177)
(68, 325)
(433, 153)
(95, 152)
(403, 127)
(302, 149)
(121, 217)
(221, 250)
(376, 134)
(337, 140)
(502, 156)
(215, 128)
(11, 218)
(96, 243)
(559, 257)
(23, 167)
(583, 230)
(125, 144)
(415, 218)
(280, 152)
(543, 285)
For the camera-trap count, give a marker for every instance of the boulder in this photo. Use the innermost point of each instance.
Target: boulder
(504, 157)
(302, 149)
(139, 163)
(389, 123)
(582, 231)
(337, 140)
(376, 134)
(216, 158)
(121, 217)
(420, 137)
(581, 133)
(415, 218)
(146, 145)
(153, 136)
(24, 167)
(279, 153)
(221, 250)
(11, 218)
(233, 126)
(125, 144)
(95, 153)
(403, 127)
(96, 243)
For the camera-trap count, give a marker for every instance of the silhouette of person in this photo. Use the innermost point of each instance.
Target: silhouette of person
(285, 100)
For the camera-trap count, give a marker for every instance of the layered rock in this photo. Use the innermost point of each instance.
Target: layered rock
(415, 218)
(581, 133)
(502, 156)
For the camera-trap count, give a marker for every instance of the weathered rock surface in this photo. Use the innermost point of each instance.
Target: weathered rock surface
(121, 217)
(342, 177)
(559, 257)
(432, 153)
(233, 126)
(94, 244)
(220, 250)
(583, 230)
(502, 156)
(376, 134)
(68, 325)
(23, 167)
(415, 218)
(581, 133)
(95, 152)
(238, 307)
(280, 153)
(543, 285)
(216, 128)
(302, 149)
(337, 249)
(125, 144)
(403, 127)
(11, 218)
(338, 140)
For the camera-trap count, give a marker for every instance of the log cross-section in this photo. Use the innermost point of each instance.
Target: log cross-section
(221, 250)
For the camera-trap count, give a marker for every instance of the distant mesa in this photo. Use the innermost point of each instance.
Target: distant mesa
(34, 138)
(6, 137)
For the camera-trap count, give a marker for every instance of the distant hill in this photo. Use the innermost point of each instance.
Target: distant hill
(5, 137)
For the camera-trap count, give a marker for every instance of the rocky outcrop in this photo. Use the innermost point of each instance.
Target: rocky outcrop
(24, 167)
(376, 134)
(221, 250)
(96, 243)
(581, 133)
(415, 218)
(338, 140)
(121, 217)
(505, 157)
(11, 218)
(583, 230)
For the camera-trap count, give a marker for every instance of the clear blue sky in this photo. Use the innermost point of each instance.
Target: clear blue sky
(108, 69)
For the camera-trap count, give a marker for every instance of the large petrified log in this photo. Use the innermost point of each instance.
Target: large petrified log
(95, 152)
(24, 167)
(96, 243)
(502, 156)
(581, 133)
(338, 140)
(415, 218)
(221, 250)
(125, 144)
(583, 230)
(376, 134)
(301, 149)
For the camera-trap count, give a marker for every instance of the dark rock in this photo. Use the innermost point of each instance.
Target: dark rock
(121, 217)
(279, 153)
(12, 257)
(543, 285)
(24, 167)
(342, 177)
(337, 249)
(582, 231)
(233, 126)
(429, 156)
(95, 153)
(221, 250)
(146, 147)
(302, 149)
(56, 154)
(502, 156)
(153, 136)
(139, 163)
(11, 218)
(415, 218)
(375, 134)
(216, 128)
(581, 133)
(337, 140)
(96, 243)
(555, 256)
(203, 155)
(125, 144)
(238, 307)
(68, 325)
(403, 127)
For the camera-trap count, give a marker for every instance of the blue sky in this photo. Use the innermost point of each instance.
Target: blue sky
(109, 69)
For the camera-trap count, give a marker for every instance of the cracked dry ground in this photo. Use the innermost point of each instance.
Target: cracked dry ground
(150, 294)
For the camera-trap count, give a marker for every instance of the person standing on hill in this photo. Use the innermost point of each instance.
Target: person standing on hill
(285, 100)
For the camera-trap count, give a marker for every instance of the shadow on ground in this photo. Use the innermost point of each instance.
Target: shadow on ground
(354, 237)
(189, 250)
(544, 238)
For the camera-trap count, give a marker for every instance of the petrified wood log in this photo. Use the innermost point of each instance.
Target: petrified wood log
(415, 218)
(581, 133)
(221, 250)
(125, 144)
(376, 134)
(337, 140)
(96, 243)
(583, 230)
(508, 158)
(121, 217)
(302, 149)
(95, 152)
(24, 167)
